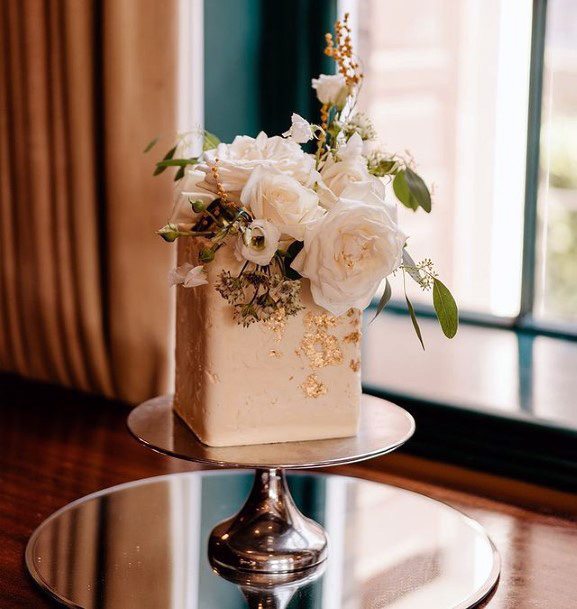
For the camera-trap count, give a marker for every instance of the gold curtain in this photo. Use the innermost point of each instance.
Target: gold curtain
(84, 84)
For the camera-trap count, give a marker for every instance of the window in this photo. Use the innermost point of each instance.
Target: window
(556, 256)
(483, 93)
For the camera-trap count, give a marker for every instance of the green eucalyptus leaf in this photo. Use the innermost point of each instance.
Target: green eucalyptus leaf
(410, 266)
(402, 191)
(418, 189)
(415, 322)
(179, 174)
(169, 154)
(151, 144)
(209, 141)
(383, 168)
(388, 292)
(162, 165)
(445, 308)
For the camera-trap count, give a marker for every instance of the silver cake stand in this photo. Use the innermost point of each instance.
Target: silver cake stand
(143, 545)
(270, 534)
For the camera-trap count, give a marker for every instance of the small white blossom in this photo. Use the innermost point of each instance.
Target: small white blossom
(189, 275)
(301, 130)
(258, 243)
(331, 89)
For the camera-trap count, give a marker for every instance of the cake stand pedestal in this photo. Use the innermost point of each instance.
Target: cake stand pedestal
(269, 534)
(143, 545)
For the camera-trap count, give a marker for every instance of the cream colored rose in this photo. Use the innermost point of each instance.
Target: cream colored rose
(258, 243)
(187, 190)
(348, 167)
(331, 89)
(280, 199)
(236, 162)
(348, 253)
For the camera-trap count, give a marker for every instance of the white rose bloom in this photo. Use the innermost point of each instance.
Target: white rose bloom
(237, 161)
(371, 192)
(186, 190)
(258, 243)
(331, 90)
(189, 275)
(274, 196)
(301, 130)
(337, 174)
(348, 253)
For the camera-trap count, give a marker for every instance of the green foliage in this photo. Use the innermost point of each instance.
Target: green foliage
(414, 321)
(388, 292)
(411, 191)
(445, 308)
(209, 141)
(151, 144)
(170, 162)
(383, 167)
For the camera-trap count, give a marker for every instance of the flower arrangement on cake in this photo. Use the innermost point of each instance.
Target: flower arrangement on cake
(295, 234)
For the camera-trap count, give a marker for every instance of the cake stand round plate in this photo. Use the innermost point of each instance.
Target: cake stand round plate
(143, 545)
(383, 427)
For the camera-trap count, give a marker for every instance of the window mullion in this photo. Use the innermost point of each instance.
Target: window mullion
(532, 172)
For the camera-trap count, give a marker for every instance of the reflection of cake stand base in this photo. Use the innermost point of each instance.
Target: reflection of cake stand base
(144, 544)
(269, 534)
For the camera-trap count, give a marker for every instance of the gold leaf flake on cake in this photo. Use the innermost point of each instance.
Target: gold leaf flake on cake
(321, 320)
(313, 387)
(321, 349)
(355, 365)
(277, 323)
(353, 337)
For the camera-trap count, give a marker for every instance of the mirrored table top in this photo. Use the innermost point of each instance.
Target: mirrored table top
(143, 545)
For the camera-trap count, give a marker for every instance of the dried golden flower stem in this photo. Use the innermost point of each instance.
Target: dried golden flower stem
(324, 124)
(342, 52)
(222, 194)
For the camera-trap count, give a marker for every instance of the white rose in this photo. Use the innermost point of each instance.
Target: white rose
(371, 192)
(280, 199)
(189, 275)
(301, 130)
(187, 190)
(350, 166)
(258, 243)
(347, 254)
(237, 161)
(331, 90)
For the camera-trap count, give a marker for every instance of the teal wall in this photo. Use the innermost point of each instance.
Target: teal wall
(260, 56)
(231, 67)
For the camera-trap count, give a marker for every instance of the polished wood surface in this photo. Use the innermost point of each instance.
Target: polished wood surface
(57, 446)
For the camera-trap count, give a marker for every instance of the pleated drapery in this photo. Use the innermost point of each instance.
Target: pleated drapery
(83, 295)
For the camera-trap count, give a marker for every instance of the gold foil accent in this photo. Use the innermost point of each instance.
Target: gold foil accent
(277, 323)
(317, 345)
(353, 337)
(321, 321)
(313, 387)
(274, 353)
(321, 349)
(355, 365)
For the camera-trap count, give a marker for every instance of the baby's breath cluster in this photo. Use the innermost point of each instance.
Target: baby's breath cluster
(360, 123)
